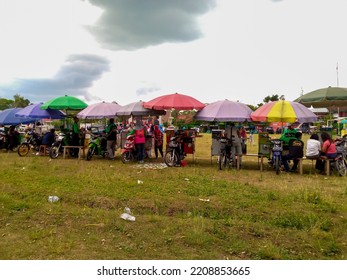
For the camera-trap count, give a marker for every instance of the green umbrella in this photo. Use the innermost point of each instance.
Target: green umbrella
(330, 97)
(65, 102)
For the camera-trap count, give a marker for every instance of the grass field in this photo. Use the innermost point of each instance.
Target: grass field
(193, 212)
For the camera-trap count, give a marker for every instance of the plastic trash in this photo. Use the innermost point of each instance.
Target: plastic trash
(53, 198)
(127, 215)
(139, 182)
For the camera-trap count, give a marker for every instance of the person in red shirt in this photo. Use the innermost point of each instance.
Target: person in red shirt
(158, 141)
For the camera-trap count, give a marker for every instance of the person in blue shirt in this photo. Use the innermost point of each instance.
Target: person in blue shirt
(49, 138)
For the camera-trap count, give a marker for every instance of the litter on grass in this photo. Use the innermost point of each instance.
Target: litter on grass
(127, 215)
(153, 166)
(53, 198)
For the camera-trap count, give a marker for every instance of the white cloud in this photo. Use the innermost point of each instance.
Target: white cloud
(241, 49)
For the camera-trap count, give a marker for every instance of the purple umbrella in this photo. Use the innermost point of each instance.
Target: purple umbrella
(223, 111)
(34, 111)
(7, 117)
(99, 111)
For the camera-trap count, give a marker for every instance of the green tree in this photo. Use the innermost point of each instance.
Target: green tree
(20, 102)
(5, 103)
(17, 102)
(269, 98)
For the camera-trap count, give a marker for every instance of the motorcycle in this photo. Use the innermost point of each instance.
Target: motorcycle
(340, 161)
(276, 158)
(33, 140)
(61, 140)
(2, 140)
(128, 152)
(97, 146)
(174, 153)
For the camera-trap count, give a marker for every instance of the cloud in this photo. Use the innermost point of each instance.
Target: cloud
(145, 90)
(74, 78)
(133, 24)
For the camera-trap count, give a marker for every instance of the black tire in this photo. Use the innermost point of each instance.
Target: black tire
(90, 153)
(277, 165)
(170, 158)
(54, 151)
(127, 157)
(23, 149)
(222, 161)
(341, 167)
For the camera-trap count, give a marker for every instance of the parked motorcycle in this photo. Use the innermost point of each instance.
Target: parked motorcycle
(128, 152)
(33, 140)
(2, 139)
(276, 158)
(340, 161)
(62, 140)
(97, 146)
(174, 153)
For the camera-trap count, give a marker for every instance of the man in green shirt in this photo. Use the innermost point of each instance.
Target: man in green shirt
(288, 134)
(111, 136)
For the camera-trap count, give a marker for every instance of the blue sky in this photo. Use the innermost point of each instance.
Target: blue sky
(129, 50)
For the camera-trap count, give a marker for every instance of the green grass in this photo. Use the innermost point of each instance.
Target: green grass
(194, 212)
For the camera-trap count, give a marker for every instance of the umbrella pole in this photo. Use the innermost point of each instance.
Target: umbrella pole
(338, 121)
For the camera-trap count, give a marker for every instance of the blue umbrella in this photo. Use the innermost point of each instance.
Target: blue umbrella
(8, 117)
(34, 111)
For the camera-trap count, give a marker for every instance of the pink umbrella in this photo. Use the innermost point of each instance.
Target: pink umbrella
(175, 101)
(99, 111)
(225, 110)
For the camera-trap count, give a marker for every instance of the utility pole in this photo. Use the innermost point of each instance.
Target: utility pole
(337, 74)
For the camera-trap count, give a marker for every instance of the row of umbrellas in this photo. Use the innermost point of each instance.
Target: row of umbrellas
(223, 110)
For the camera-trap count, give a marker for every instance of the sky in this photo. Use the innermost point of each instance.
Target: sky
(131, 50)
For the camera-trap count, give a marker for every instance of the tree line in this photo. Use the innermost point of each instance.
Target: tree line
(17, 102)
(21, 102)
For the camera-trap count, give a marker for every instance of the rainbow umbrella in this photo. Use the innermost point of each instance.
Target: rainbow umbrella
(283, 111)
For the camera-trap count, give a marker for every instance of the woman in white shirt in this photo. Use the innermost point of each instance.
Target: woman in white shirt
(313, 147)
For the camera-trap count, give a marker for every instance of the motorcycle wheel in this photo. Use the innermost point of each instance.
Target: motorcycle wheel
(222, 161)
(277, 165)
(54, 151)
(170, 158)
(23, 149)
(90, 153)
(127, 157)
(341, 167)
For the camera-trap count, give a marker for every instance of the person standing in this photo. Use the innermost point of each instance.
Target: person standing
(75, 136)
(158, 141)
(140, 138)
(233, 134)
(111, 137)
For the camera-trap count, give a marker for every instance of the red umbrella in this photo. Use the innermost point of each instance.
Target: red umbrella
(175, 101)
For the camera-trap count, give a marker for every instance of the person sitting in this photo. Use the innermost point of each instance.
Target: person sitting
(288, 135)
(296, 151)
(49, 138)
(328, 151)
(313, 147)
(12, 138)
